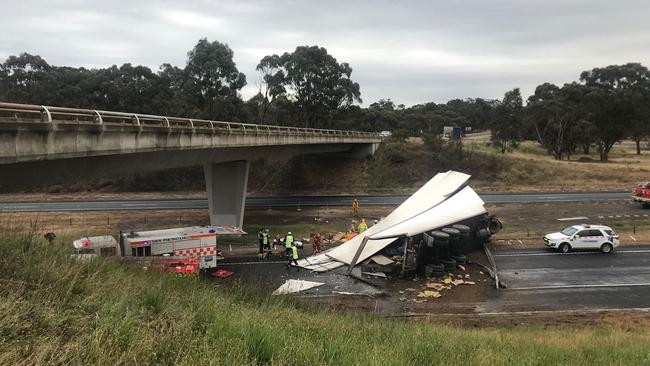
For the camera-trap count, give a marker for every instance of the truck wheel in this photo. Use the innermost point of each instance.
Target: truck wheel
(460, 259)
(564, 248)
(606, 248)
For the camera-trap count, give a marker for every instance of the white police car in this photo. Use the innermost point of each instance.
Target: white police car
(583, 237)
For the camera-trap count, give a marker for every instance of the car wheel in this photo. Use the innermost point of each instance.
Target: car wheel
(564, 248)
(606, 248)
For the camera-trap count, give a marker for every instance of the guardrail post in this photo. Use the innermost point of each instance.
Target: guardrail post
(47, 115)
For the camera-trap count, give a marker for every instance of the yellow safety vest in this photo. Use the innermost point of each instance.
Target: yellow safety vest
(363, 227)
(288, 240)
(294, 251)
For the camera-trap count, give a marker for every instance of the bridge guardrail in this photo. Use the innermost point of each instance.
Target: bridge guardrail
(14, 112)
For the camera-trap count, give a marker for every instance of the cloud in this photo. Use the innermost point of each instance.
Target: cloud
(411, 52)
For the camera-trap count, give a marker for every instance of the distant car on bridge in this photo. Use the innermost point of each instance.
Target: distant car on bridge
(583, 237)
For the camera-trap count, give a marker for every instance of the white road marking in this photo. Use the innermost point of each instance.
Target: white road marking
(618, 252)
(560, 287)
(601, 217)
(573, 218)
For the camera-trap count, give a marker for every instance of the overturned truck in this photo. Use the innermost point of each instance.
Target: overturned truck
(437, 225)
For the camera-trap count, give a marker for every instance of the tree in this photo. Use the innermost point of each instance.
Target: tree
(24, 79)
(508, 122)
(640, 124)
(271, 85)
(612, 97)
(213, 80)
(314, 81)
(554, 115)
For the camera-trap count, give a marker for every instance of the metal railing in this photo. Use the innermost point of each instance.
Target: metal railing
(14, 112)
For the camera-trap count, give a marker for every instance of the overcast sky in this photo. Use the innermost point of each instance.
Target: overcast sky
(410, 51)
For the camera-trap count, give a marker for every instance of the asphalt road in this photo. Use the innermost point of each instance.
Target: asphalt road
(539, 279)
(292, 201)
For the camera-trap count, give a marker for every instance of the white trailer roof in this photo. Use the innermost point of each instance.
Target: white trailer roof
(443, 200)
(436, 190)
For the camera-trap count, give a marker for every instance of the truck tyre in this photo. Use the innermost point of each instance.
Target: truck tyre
(494, 225)
(606, 248)
(460, 259)
(564, 248)
(450, 265)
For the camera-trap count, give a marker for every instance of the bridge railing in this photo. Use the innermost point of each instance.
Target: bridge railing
(28, 113)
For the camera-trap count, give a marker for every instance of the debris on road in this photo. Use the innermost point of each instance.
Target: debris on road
(429, 293)
(222, 273)
(381, 260)
(375, 274)
(292, 286)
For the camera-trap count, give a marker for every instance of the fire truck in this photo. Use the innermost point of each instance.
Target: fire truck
(178, 250)
(641, 194)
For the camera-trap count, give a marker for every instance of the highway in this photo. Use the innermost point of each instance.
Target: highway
(293, 201)
(539, 279)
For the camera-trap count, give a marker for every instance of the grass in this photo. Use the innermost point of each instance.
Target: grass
(530, 168)
(56, 310)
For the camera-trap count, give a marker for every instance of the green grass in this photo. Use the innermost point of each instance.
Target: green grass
(55, 310)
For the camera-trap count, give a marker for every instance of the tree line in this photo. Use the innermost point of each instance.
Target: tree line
(605, 106)
(306, 88)
(310, 88)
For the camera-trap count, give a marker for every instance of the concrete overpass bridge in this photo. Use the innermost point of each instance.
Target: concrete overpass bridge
(50, 145)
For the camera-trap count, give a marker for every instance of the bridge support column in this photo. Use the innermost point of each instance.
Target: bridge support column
(226, 185)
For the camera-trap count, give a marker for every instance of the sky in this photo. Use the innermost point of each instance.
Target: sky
(411, 51)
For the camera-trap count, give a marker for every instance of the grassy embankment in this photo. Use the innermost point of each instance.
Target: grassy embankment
(530, 168)
(56, 310)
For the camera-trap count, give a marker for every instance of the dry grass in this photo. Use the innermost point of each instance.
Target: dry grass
(530, 169)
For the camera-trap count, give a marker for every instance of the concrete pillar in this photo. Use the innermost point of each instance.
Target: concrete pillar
(226, 185)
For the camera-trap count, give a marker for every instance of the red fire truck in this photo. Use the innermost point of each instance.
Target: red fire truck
(641, 193)
(178, 250)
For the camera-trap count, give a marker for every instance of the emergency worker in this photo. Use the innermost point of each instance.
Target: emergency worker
(363, 226)
(355, 207)
(288, 243)
(260, 239)
(266, 242)
(316, 241)
(293, 257)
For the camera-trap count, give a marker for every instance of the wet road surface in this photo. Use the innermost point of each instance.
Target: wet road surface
(540, 279)
(293, 201)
